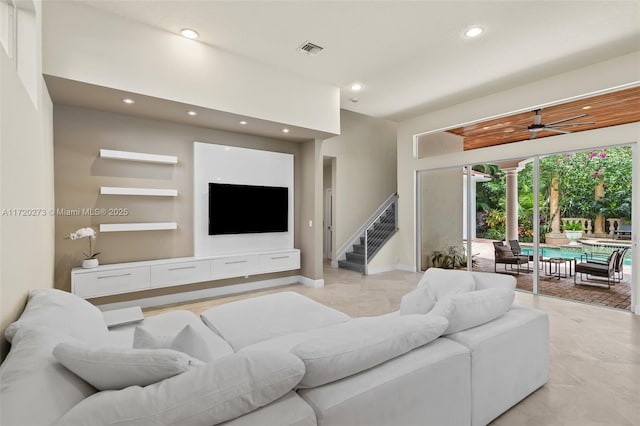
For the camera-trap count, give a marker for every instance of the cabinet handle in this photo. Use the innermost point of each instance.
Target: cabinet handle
(280, 257)
(114, 276)
(183, 267)
(234, 262)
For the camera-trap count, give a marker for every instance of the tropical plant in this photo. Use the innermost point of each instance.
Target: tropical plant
(572, 226)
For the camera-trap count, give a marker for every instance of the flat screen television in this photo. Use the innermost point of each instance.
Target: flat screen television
(247, 209)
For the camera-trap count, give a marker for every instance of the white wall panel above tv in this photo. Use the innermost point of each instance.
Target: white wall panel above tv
(220, 164)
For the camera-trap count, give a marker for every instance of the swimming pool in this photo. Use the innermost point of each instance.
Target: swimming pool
(572, 252)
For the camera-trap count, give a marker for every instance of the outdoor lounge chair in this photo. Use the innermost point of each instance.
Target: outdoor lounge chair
(505, 256)
(517, 250)
(619, 263)
(607, 270)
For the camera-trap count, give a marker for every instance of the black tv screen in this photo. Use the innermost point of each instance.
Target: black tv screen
(247, 209)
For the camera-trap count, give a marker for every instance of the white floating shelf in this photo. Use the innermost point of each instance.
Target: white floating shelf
(138, 156)
(147, 226)
(112, 190)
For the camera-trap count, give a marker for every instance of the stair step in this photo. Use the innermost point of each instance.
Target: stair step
(345, 264)
(358, 248)
(356, 258)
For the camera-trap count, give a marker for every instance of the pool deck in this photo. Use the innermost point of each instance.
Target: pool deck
(618, 297)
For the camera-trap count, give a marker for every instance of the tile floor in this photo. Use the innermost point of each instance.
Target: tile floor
(595, 351)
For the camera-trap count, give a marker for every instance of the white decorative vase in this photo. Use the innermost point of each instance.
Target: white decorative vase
(90, 263)
(573, 237)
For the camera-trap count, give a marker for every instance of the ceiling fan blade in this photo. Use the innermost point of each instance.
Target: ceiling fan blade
(538, 118)
(574, 124)
(566, 119)
(551, 129)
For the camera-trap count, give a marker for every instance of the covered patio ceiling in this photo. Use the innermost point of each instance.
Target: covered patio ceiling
(609, 109)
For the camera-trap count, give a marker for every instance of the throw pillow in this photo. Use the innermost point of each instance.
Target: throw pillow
(187, 341)
(213, 393)
(471, 309)
(417, 301)
(441, 282)
(118, 368)
(362, 343)
(64, 312)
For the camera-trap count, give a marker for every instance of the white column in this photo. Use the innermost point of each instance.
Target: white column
(512, 203)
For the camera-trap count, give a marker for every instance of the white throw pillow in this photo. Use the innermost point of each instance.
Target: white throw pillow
(471, 309)
(118, 368)
(441, 282)
(187, 340)
(418, 301)
(210, 394)
(64, 312)
(34, 388)
(363, 343)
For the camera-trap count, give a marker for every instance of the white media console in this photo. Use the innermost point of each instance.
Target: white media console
(118, 278)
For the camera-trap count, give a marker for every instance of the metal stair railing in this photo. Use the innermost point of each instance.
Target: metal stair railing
(368, 231)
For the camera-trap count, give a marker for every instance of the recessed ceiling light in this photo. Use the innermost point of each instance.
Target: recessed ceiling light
(128, 101)
(474, 32)
(244, 123)
(586, 107)
(285, 130)
(356, 86)
(192, 113)
(189, 33)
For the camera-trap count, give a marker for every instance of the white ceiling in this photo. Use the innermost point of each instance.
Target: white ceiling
(411, 56)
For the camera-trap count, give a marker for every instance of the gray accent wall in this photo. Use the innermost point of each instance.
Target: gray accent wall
(79, 172)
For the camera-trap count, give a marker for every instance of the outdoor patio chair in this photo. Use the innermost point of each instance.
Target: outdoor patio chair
(504, 255)
(619, 267)
(517, 250)
(607, 270)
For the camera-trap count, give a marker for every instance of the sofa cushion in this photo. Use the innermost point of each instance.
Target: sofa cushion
(35, 389)
(187, 341)
(253, 320)
(118, 368)
(466, 310)
(348, 348)
(207, 395)
(485, 280)
(170, 324)
(290, 410)
(418, 301)
(441, 282)
(61, 311)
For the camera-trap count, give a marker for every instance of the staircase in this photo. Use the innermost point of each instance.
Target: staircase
(370, 237)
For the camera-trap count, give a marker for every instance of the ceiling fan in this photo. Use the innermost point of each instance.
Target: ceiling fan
(554, 126)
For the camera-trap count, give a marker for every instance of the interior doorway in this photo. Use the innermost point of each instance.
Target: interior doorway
(329, 208)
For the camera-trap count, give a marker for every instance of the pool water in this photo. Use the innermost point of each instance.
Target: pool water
(561, 252)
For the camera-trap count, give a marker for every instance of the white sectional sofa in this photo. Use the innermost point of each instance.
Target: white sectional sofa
(456, 353)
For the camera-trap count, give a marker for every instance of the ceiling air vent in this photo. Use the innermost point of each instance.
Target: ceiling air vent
(310, 48)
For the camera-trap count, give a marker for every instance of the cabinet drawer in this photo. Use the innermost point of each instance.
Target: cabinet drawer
(285, 261)
(115, 281)
(179, 273)
(236, 266)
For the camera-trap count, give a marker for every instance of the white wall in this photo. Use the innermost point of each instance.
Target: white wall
(365, 168)
(602, 76)
(84, 44)
(26, 182)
